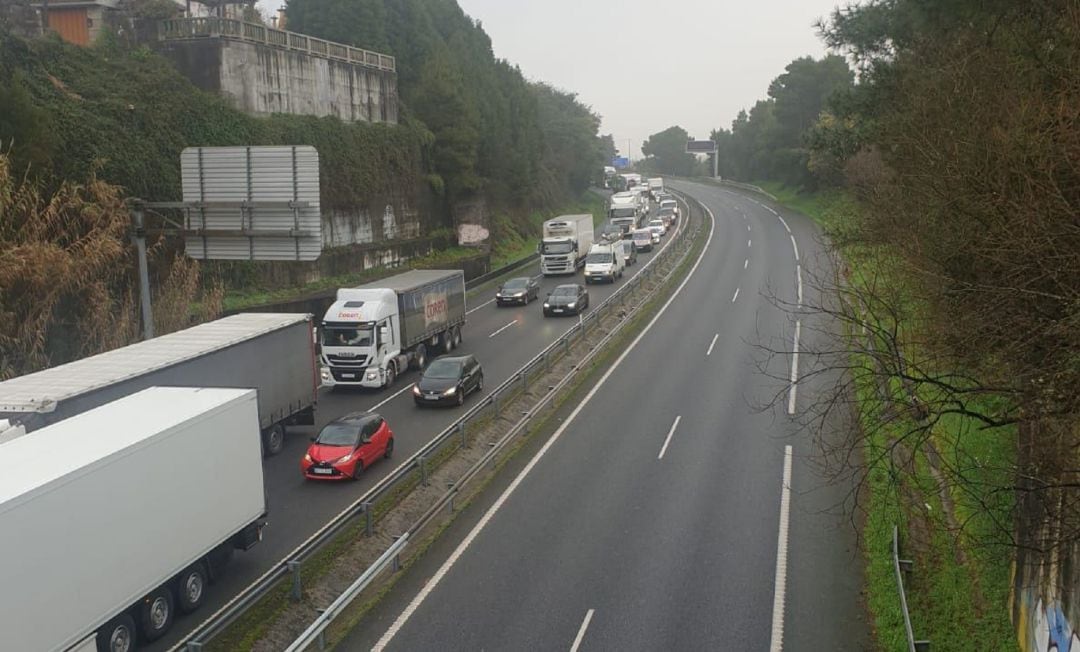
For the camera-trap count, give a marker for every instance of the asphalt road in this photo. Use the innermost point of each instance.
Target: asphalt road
(654, 520)
(503, 339)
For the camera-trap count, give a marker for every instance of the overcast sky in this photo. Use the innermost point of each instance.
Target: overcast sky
(710, 57)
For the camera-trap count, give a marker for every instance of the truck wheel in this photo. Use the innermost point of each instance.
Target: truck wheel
(274, 439)
(118, 635)
(457, 336)
(390, 375)
(420, 359)
(156, 613)
(191, 588)
(448, 340)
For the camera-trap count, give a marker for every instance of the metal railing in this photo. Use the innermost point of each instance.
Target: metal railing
(455, 434)
(905, 566)
(496, 273)
(175, 29)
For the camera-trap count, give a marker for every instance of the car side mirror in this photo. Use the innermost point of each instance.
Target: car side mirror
(311, 439)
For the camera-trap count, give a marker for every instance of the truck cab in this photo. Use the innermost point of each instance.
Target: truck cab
(564, 243)
(359, 337)
(604, 263)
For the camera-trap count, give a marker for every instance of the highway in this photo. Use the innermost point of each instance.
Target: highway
(502, 339)
(668, 511)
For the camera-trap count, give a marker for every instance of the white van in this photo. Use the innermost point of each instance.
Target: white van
(604, 263)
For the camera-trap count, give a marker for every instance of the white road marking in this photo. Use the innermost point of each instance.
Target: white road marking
(513, 323)
(782, 221)
(748, 228)
(472, 310)
(795, 246)
(581, 631)
(391, 397)
(748, 242)
(482, 523)
(736, 295)
(794, 369)
(711, 345)
(746, 263)
(798, 281)
(776, 642)
(663, 449)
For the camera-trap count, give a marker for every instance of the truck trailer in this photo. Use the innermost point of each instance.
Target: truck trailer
(565, 242)
(117, 519)
(273, 353)
(374, 332)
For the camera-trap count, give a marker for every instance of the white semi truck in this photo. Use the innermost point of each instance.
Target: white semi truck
(564, 243)
(624, 211)
(656, 187)
(117, 519)
(374, 332)
(233, 351)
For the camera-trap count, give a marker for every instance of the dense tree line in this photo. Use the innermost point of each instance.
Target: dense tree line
(961, 144)
(772, 140)
(494, 132)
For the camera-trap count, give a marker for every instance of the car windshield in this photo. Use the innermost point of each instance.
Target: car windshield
(564, 292)
(641, 235)
(346, 336)
(339, 434)
(666, 211)
(516, 284)
(443, 369)
(598, 258)
(623, 212)
(656, 223)
(557, 248)
(667, 204)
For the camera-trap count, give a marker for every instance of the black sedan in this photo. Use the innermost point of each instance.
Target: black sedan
(518, 290)
(569, 299)
(448, 379)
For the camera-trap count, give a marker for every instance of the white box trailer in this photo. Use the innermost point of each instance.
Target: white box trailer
(271, 352)
(116, 518)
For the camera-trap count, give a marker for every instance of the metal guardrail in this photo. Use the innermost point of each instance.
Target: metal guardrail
(496, 273)
(363, 506)
(175, 29)
(905, 566)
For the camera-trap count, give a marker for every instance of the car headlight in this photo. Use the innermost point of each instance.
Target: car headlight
(571, 305)
(325, 374)
(547, 305)
(450, 392)
(345, 459)
(416, 390)
(307, 457)
(372, 375)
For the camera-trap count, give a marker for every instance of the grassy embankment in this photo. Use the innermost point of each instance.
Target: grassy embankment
(958, 591)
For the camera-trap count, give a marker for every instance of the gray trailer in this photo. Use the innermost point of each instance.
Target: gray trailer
(272, 353)
(374, 332)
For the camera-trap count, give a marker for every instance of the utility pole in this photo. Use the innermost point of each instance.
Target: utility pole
(138, 236)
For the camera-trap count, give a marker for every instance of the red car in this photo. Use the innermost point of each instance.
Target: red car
(347, 446)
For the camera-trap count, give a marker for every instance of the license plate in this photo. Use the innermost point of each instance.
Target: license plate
(319, 471)
(348, 375)
(556, 310)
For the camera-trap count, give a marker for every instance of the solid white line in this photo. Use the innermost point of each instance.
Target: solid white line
(663, 449)
(482, 523)
(798, 279)
(581, 632)
(795, 246)
(794, 369)
(711, 345)
(783, 221)
(736, 295)
(472, 310)
(746, 263)
(391, 397)
(776, 642)
(513, 323)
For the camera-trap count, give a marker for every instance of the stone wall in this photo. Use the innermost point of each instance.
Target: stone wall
(261, 79)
